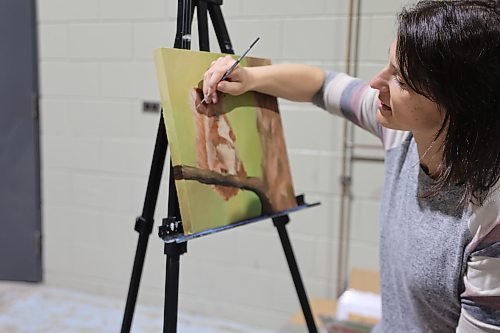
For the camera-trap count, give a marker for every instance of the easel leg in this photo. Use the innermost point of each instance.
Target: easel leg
(173, 252)
(201, 12)
(144, 224)
(280, 224)
(220, 27)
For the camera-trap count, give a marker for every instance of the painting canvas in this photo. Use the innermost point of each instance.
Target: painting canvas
(230, 159)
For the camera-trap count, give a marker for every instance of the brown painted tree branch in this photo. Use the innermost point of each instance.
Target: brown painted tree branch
(209, 177)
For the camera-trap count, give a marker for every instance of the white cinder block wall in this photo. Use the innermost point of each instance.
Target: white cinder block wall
(96, 68)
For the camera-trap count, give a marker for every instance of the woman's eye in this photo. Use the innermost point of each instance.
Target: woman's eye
(399, 81)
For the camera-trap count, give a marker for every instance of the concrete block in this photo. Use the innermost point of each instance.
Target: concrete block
(115, 118)
(220, 247)
(367, 180)
(376, 36)
(251, 250)
(315, 173)
(311, 129)
(126, 156)
(284, 295)
(325, 260)
(171, 10)
(84, 119)
(100, 119)
(104, 265)
(57, 249)
(382, 7)
(339, 7)
(69, 79)
(144, 124)
(367, 70)
(90, 262)
(67, 10)
(244, 32)
(98, 228)
(53, 40)
(100, 192)
(54, 117)
(87, 154)
(227, 283)
(291, 7)
(56, 151)
(144, 82)
(117, 79)
(129, 80)
(148, 36)
(139, 184)
(317, 222)
(100, 41)
(366, 145)
(155, 268)
(87, 190)
(132, 9)
(361, 136)
(88, 228)
(56, 186)
(304, 39)
(304, 248)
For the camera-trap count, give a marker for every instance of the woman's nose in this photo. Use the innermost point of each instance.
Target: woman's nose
(380, 82)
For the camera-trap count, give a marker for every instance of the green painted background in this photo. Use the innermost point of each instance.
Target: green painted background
(202, 208)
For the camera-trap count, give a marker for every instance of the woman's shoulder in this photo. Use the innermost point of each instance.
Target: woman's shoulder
(494, 195)
(491, 202)
(481, 297)
(485, 218)
(393, 138)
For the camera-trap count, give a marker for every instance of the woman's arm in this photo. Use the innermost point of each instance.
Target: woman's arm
(338, 93)
(481, 298)
(294, 82)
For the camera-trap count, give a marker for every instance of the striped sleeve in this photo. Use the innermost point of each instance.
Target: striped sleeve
(481, 298)
(354, 100)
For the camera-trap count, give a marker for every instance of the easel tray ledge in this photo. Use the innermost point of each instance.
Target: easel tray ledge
(181, 238)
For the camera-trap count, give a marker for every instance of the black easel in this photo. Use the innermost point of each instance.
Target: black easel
(172, 224)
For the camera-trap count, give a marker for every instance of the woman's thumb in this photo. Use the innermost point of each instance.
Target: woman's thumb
(228, 87)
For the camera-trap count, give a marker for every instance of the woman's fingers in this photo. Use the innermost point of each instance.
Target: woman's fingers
(213, 76)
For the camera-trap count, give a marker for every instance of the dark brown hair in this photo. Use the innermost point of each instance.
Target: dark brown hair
(449, 51)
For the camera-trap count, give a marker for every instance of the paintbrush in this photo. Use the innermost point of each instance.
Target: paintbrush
(230, 70)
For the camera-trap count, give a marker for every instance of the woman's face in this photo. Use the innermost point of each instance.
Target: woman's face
(400, 107)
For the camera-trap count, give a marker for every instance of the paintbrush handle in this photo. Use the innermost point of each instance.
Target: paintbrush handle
(230, 70)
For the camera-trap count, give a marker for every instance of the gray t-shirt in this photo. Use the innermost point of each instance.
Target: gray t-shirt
(422, 242)
(440, 265)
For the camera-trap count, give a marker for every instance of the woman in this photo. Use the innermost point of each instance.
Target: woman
(436, 108)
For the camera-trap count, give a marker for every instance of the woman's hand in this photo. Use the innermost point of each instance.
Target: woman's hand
(294, 82)
(236, 83)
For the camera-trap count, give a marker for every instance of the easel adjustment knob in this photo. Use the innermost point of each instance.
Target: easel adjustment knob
(170, 226)
(143, 225)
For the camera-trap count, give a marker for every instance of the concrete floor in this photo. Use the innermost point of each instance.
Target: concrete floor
(36, 308)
